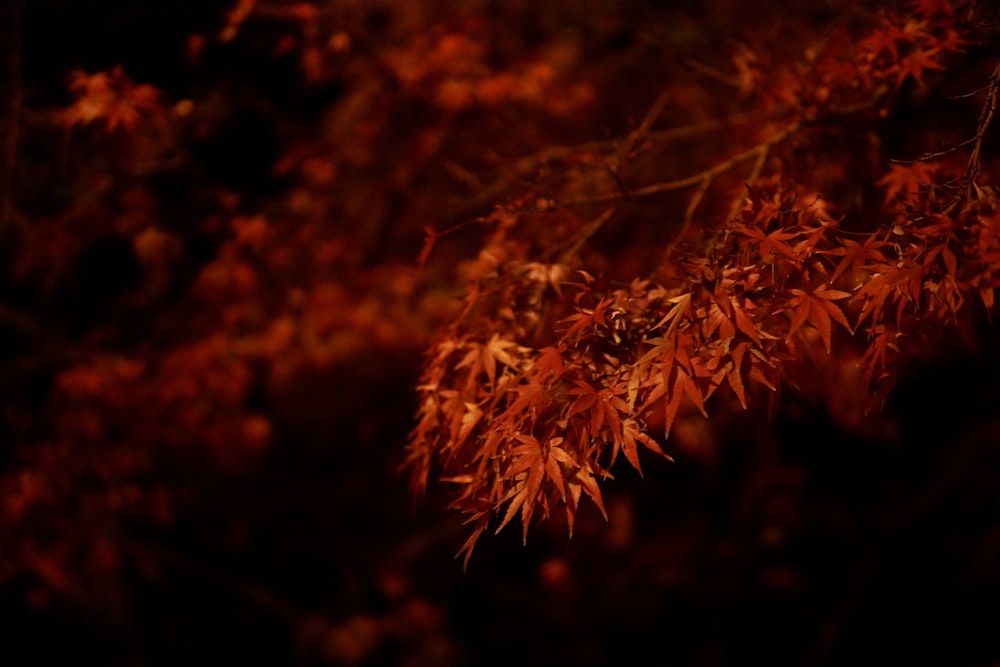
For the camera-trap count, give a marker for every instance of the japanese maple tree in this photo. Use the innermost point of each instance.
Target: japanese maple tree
(244, 240)
(568, 355)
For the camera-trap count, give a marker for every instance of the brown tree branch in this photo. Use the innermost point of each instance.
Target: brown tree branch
(985, 118)
(695, 179)
(640, 133)
(528, 165)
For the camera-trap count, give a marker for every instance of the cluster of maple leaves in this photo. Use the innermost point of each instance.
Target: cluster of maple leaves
(549, 374)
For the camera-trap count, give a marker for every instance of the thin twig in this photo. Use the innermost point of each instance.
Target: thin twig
(463, 175)
(985, 118)
(585, 233)
(933, 156)
(687, 182)
(758, 166)
(640, 133)
(700, 193)
(974, 165)
(712, 72)
(527, 165)
(863, 105)
(692, 206)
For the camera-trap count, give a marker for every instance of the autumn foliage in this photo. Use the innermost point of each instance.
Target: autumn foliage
(265, 263)
(562, 360)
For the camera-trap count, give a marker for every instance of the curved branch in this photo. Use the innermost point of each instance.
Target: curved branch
(695, 179)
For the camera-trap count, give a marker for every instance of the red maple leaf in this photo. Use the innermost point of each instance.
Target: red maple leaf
(857, 255)
(906, 179)
(916, 62)
(817, 308)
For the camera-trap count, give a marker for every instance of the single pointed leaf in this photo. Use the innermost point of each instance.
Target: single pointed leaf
(800, 312)
(534, 483)
(520, 494)
(631, 452)
(585, 479)
(554, 473)
(682, 305)
(734, 375)
(672, 405)
(632, 428)
(430, 239)
(744, 323)
(986, 294)
(473, 415)
(821, 320)
(756, 375)
(481, 520)
(692, 390)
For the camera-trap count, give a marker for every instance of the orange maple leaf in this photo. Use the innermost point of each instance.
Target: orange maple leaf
(112, 97)
(817, 308)
(857, 255)
(915, 63)
(907, 179)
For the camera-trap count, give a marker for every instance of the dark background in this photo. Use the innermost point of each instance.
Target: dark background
(788, 540)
